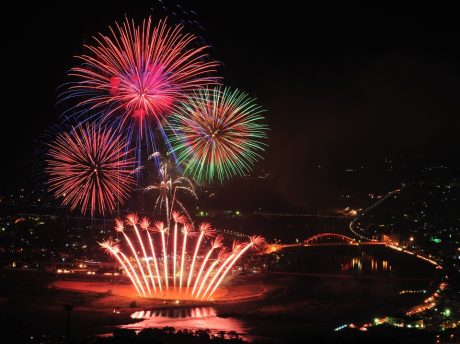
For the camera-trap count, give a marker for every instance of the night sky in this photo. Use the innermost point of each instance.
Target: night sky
(342, 86)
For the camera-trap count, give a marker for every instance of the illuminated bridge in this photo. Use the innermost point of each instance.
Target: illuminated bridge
(327, 239)
(322, 239)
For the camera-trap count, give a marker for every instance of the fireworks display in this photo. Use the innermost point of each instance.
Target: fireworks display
(139, 72)
(217, 134)
(168, 189)
(196, 274)
(149, 80)
(89, 168)
(114, 245)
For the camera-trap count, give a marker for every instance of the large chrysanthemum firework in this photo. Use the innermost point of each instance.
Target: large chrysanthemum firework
(139, 72)
(89, 168)
(217, 134)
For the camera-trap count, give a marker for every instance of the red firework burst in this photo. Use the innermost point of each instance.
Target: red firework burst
(140, 72)
(89, 168)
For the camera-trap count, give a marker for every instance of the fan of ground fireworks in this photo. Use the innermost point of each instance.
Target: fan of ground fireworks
(217, 134)
(138, 73)
(193, 268)
(89, 168)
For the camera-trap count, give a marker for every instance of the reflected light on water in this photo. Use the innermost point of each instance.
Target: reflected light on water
(197, 318)
(197, 312)
(368, 264)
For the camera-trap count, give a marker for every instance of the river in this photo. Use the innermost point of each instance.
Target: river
(316, 290)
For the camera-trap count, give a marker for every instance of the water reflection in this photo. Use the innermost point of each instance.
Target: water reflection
(196, 318)
(367, 264)
(196, 312)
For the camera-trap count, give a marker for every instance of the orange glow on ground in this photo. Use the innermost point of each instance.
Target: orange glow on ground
(222, 294)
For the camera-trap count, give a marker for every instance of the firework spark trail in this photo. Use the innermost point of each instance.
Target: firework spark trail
(137, 272)
(186, 231)
(255, 241)
(133, 250)
(216, 244)
(168, 188)
(175, 200)
(119, 227)
(145, 223)
(206, 276)
(168, 217)
(134, 273)
(108, 245)
(197, 247)
(177, 185)
(162, 230)
(177, 219)
(216, 274)
(184, 243)
(175, 254)
(205, 229)
(89, 168)
(152, 249)
(235, 259)
(133, 219)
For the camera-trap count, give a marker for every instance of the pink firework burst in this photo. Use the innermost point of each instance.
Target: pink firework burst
(89, 168)
(139, 72)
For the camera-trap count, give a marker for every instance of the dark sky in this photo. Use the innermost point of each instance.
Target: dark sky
(341, 85)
